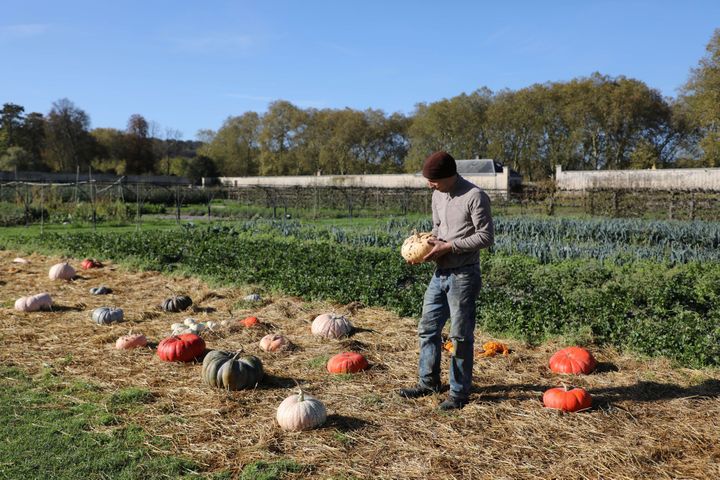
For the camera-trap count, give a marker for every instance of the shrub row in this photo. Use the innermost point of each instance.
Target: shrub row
(646, 307)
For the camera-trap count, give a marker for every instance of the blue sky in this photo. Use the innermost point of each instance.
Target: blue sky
(188, 65)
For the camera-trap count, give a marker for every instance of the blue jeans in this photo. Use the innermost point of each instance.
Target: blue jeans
(451, 294)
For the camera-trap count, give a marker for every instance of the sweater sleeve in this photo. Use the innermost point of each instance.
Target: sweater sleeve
(484, 235)
(435, 218)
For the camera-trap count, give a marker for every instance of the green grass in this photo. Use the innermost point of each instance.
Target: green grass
(341, 377)
(318, 362)
(132, 396)
(269, 470)
(50, 428)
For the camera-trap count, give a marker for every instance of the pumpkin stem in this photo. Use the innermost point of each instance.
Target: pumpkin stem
(301, 394)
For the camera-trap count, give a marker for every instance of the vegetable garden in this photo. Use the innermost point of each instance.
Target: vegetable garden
(642, 296)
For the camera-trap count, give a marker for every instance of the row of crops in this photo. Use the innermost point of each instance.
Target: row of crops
(618, 240)
(646, 306)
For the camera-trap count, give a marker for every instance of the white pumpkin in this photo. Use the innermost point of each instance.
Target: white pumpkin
(196, 328)
(415, 247)
(301, 412)
(21, 260)
(329, 325)
(33, 303)
(61, 271)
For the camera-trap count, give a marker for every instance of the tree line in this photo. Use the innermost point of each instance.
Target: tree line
(595, 122)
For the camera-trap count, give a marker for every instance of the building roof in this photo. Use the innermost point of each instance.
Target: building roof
(478, 165)
(482, 166)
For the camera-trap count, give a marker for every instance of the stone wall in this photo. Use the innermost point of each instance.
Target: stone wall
(665, 179)
(497, 183)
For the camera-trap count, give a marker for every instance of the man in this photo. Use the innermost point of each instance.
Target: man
(462, 225)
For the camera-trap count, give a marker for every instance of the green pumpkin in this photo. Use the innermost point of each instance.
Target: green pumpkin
(103, 290)
(230, 371)
(107, 315)
(178, 303)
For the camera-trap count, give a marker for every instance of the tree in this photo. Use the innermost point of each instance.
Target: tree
(140, 158)
(111, 150)
(339, 150)
(193, 168)
(384, 144)
(281, 138)
(33, 139)
(172, 137)
(199, 167)
(515, 131)
(68, 142)
(24, 132)
(235, 148)
(456, 125)
(11, 121)
(15, 158)
(702, 95)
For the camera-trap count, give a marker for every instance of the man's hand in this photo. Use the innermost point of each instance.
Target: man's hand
(440, 248)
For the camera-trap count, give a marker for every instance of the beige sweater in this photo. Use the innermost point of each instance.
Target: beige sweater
(462, 217)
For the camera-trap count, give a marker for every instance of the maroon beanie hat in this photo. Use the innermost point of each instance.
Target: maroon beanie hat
(439, 165)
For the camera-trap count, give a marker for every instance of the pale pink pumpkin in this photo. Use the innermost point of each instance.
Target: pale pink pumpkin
(61, 271)
(33, 303)
(301, 412)
(274, 342)
(133, 340)
(329, 325)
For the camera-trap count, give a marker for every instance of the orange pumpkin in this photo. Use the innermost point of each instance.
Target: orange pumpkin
(249, 321)
(575, 360)
(561, 398)
(90, 263)
(347, 362)
(181, 348)
(490, 349)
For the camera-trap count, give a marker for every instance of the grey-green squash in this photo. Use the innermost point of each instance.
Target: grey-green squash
(230, 371)
(177, 303)
(107, 315)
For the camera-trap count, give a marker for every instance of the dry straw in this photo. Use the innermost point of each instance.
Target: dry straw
(650, 420)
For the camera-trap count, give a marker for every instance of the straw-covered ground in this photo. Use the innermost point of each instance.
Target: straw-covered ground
(649, 420)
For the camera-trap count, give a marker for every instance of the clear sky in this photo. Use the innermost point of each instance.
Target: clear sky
(189, 64)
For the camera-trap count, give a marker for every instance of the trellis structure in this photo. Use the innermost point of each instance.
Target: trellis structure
(38, 200)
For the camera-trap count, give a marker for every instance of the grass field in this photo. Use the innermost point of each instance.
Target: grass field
(73, 406)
